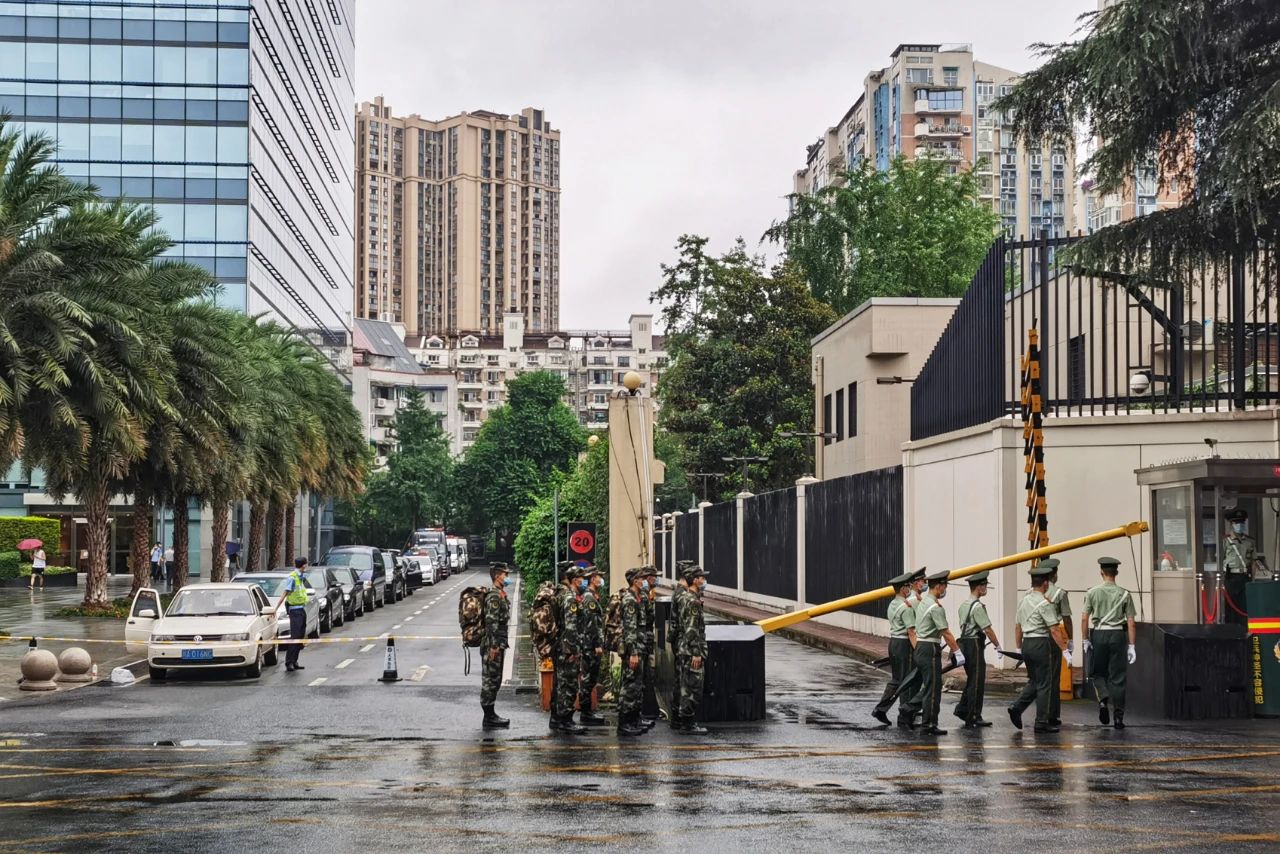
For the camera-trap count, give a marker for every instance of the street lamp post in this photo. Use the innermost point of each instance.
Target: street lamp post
(746, 462)
(704, 476)
(809, 434)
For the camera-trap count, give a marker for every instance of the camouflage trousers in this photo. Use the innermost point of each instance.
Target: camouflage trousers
(590, 667)
(631, 694)
(565, 686)
(688, 690)
(490, 676)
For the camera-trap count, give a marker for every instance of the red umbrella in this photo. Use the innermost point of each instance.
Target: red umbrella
(30, 543)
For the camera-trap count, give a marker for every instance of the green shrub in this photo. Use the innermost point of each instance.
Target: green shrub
(14, 529)
(49, 570)
(10, 565)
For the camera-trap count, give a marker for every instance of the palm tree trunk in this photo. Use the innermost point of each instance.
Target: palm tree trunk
(254, 558)
(276, 517)
(140, 543)
(96, 507)
(181, 542)
(289, 533)
(218, 551)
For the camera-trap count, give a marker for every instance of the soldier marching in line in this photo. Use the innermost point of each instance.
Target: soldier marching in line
(648, 669)
(975, 631)
(592, 614)
(918, 586)
(493, 644)
(1062, 604)
(902, 642)
(1039, 634)
(908, 704)
(567, 653)
(1108, 615)
(931, 632)
(631, 608)
(690, 644)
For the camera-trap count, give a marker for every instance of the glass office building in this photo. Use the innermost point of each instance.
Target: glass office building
(233, 118)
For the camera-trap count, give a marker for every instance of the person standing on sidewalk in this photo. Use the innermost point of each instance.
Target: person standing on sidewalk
(1105, 624)
(168, 566)
(931, 633)
(975, 631)
(295, 597)
(38, 564)
(157, 555)
(902, 636)
(592, 649)
(1040, 637)
(493, 644)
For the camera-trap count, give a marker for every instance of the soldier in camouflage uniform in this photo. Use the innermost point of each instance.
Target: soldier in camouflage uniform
(691, 649)
(633, 651)
(493, 644)
(673, 637)
(648, 692)
(567, 653)
(592, 648)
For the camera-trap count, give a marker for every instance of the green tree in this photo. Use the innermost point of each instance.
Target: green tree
(1190, 85)
(739, 338)
(913, 231)
(518, 448)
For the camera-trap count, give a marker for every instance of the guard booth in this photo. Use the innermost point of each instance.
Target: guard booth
(1196, 652)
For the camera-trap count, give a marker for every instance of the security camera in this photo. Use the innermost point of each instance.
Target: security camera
(1139, 383)
(1212, 443)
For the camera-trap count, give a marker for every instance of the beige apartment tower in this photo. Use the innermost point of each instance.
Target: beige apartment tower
(457, 220)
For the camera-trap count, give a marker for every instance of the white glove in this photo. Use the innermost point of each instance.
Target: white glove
(1066, 656)
(1088, 645)
(959, 658)
(999, 653)
(1071, 647)
(1133, 653)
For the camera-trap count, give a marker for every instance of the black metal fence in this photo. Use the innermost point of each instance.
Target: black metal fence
(769, 544)
(720, 539)
(687, 537)
(853, 536)
(1207, 338)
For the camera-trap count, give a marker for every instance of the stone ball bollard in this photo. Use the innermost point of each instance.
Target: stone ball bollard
(75, 664)
(39, 666)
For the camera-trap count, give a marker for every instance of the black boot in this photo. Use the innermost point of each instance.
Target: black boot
(1016, 717)
(881, 717)
(1104, 713)
(906, 721)
(629, 725)
(1119, 716)
(676, 721)
(692, 727)
(568, 725)
(590, 717)
(492, 721)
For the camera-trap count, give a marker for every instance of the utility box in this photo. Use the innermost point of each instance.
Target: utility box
(1263, 598)
(733, 689)
(1189, 672)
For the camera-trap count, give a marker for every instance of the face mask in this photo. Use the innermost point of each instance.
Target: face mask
(582, 584)
(644, 586)
(1238, 527)
(506, 582)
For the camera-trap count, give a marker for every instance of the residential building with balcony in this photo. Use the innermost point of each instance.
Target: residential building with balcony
(934, 100)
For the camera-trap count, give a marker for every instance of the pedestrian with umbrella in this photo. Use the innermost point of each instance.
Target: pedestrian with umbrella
(38, 560)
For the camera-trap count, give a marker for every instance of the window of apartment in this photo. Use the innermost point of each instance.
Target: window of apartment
(599, 397)
(1075, 369)
(946, 99)
(624, 361)
(950, 76)
(826, 418)
(853, 410)
(839, 412)
(986, 91)
(920, 75)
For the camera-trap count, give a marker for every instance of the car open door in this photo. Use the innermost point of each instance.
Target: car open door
(143, 613)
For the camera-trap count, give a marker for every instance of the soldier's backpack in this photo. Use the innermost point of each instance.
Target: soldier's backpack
(542, 619)
(613, 624)
(471, 615)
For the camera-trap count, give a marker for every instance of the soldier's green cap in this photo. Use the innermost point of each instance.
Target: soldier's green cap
(692, 571)
(1108, 561)
(1042, 571)
(565, 564)
(648, 571)
(632, 574)
(591, 570)
(497, 564)
(681, 564)
(978, 578)
(1050, 563)
(918, 574)
(939, 577)
(1237, 515)
(899, 580)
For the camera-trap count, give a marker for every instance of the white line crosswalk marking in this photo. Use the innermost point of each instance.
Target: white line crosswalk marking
(366, 647)
(345, 663)
(314, 682)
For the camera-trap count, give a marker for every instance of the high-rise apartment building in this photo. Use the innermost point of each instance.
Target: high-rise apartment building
(458, 220)
(232, 118)
(934, 100)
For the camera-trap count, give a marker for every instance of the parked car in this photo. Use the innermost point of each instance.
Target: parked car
(272, 584)
(206, 626)
(352, 591)
(453, 549)
(441, 556)
(396, 582)
(367, 562)
(329, 591)
(424, 561)
(413, 575)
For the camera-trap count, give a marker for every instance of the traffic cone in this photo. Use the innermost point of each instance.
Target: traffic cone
(390, 673)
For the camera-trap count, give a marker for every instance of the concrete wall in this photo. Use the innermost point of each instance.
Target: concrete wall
(965, 500)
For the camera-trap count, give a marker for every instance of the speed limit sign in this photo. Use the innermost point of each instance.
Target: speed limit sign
(582, 542)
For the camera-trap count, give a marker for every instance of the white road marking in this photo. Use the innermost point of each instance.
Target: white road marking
(345, 663)
(314, 682)
(420, 673)
(366, 647)
(407, 619)
(396, 626)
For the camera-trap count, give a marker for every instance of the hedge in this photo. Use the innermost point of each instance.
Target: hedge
(10, 565)
(15, 529)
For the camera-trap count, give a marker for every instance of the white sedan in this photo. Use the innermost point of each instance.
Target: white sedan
(205, 626)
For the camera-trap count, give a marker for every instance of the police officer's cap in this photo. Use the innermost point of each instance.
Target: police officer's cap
(632, 574)
(978, 578)
(1042, 572)
(499, 566)
(1108, 561)
(899, 580)
(938, 577)
(591, 570)
(565, 564)
(918, 574)
(692, 571)
(1049, 563)
(1237, 515)
(681, 564)
(648, 571)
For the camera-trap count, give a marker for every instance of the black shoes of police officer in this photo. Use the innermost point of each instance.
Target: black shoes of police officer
(1016, 717)
(906, 721)
(1119, 719)
(630, 726)
(1104, 713)
(292, 667)
(933, 730)
(592, 719)
(881, 717)
(492, 720)
(1047, 728)
(566, 724)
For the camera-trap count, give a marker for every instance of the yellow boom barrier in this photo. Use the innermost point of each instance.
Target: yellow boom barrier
(781, 621)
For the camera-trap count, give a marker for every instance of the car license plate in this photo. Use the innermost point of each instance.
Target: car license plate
(196, 654)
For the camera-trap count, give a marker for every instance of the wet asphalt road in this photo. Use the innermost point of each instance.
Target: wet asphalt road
(293, 763)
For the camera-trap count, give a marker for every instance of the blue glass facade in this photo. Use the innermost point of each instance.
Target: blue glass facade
(233, 119)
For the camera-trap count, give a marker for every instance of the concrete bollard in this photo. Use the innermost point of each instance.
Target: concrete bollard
(75, 664)
(39, 667)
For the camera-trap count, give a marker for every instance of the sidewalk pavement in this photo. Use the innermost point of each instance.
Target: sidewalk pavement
(860, 645)
(30, 612)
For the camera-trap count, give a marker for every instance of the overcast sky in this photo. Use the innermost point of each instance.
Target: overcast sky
(677, 115)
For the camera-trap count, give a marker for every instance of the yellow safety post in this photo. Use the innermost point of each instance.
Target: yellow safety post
(781, 621)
